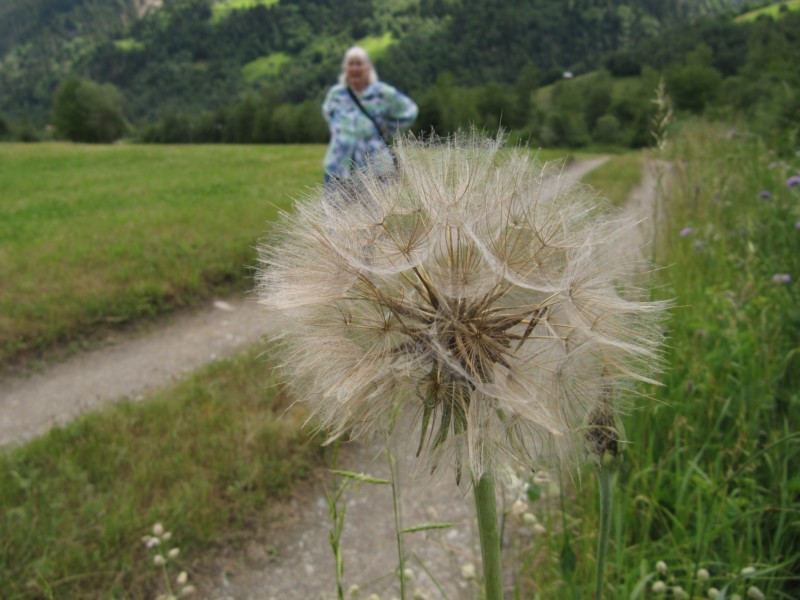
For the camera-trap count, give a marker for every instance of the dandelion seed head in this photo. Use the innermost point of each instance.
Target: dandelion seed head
(472, 292)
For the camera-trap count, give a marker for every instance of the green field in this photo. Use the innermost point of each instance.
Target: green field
(708, 481)
(95, 236)
(772, 11)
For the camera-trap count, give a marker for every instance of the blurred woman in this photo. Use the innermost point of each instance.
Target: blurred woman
(363, 115)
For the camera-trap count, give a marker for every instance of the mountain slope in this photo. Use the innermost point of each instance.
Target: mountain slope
(188, 57)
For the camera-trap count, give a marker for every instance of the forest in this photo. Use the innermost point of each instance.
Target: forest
(553, 73)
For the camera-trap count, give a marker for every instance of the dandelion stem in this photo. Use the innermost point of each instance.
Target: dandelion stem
(398, 522)
(489, 534)
(605, 478)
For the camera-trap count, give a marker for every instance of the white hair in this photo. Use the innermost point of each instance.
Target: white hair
(361, 54)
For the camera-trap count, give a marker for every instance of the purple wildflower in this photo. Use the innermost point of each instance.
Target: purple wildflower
(793, 181)
(781, 278)
(686, 231)
(797, 225)
(765, 194)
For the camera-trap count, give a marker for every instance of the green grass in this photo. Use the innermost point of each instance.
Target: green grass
(617, 177)
(128, 44)
(773, 11)
(95, 236)
(376, 46)
(264, 66)
(207, 458)
(710, 475)
(222, 8)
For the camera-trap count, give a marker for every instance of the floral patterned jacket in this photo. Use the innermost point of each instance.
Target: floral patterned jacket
(354, 137)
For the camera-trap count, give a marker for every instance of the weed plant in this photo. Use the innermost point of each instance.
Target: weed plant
(707, 501)
(206, 457)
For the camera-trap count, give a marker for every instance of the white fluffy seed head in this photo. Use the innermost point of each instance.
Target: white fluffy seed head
(659, 587)
(472, 292)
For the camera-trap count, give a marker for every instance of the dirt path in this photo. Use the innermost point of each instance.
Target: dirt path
(125, 369)
(294, 561)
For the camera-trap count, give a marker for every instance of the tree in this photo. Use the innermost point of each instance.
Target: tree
(84, 111)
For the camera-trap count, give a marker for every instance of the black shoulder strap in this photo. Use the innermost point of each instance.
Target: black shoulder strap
(364, 110)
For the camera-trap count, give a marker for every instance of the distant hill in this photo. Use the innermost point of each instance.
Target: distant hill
(190, 56)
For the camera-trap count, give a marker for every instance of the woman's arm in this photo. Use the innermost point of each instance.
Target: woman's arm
(400, 109)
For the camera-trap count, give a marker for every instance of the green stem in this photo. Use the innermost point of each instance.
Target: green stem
(490, 537)
(398, 523)
(605, 477)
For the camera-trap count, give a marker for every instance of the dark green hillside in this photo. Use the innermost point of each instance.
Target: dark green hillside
(188, 58)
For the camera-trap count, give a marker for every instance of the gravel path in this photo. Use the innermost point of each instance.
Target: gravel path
(294, 561)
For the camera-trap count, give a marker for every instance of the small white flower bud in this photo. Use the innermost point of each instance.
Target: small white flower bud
(755, 593)
(159, 560)
(736, 597)
(408, 574)
(468, 571)
(374, 597)
(174, 553)
(702, 574)
(659, 587)
(419, 595)
(187, 591)
(712, 593)
(182, 578)
(539, 529)
(529, 519)
(661, 567)
(354, 591)
(678, 592)
(166, 536)
(158, 529)
(519, 507)
(747, 571)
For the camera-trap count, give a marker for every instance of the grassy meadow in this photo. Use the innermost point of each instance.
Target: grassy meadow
(95, 236)
(709, 480)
